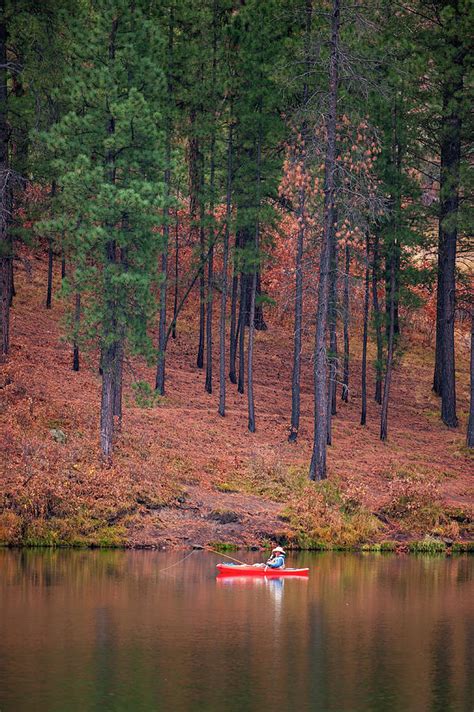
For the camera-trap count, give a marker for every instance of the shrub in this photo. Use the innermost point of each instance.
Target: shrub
(322, 515)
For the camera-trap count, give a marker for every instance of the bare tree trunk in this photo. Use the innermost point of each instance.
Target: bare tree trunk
(224, 276)
(108, 359)
(259, 320)
(107, 400)
(448, 229)
(250, 395)
(396, 319)
(318, 460)
(346, 306)
(202, 297)
(444, 383)
(332, 317)
(49, 285)
(363, 415)
(161, 364)
(210, 264)
(5, 241)
(176, 275)
(250, 392)
(389, 367)
(77, 326)
(109, 326)
(297, 344)
(210, 290)
(197, 230)
(118, 378)
(470, 425)
(160, 369)
(377, 322)
(233, 323)
(332, 324)
(63, 264)
(437, 376)
(298, 324)
(241, 329)
(392, 262)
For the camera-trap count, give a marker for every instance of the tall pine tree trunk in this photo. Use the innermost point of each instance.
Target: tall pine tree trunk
(49, 286)
(346, 314)
(392, 262)
(77, 326)
(298, 324)
(377, 321)
(109, 322)
(233, 318)
(448, 219)
(389, 366)
(250, 392)
(209, 305)
(318, 460)
(437, 376)
(363, 415)
(210, 264)
(5, 242)
(396, 322)
(118, 380)
(160, 370)
(470, 425)
(332, 318)
(176, 275)
(202, 294)
(195, 218)
(332, 324)
(298, 328)
(259, 320)
(107, 399)
(223, 314)
(241, 330)
(108, 356)
(120, 346)
(49, 283)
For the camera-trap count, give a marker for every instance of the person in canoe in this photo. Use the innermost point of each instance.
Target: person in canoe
(276, 560)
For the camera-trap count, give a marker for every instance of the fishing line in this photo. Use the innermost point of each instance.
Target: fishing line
(160, 571)
(219, 553)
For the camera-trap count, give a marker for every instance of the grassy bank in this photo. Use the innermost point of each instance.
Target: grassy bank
(181, 474)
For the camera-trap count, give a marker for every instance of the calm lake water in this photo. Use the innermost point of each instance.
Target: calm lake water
(109, 630)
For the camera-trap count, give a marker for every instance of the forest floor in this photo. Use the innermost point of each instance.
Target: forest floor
(182, 475)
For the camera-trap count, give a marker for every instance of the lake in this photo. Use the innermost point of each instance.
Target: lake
(112, 630)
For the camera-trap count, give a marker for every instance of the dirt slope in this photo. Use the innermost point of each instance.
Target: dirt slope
(177, 464)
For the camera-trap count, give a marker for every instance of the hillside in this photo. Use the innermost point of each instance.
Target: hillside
(183, 475)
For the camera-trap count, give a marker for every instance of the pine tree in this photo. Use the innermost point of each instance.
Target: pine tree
(6, 255)
(109, 162)
(317, 470)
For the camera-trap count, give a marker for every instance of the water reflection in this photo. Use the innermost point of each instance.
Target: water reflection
(113, 631)
(274, 585)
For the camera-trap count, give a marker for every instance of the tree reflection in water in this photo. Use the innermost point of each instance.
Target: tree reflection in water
(104, 630)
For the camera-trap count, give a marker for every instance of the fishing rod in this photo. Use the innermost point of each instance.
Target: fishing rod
(219, 553)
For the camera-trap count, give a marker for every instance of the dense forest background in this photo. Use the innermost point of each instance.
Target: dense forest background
(236, 271)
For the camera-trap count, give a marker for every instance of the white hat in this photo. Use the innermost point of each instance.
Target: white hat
(278, 550)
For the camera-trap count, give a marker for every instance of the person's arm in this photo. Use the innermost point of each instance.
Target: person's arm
(276, 563)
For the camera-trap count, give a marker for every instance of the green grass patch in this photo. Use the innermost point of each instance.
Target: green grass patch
(324, 517)
(270, 479)
(223, 546)
(428, 545)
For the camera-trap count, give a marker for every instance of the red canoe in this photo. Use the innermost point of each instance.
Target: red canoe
(247, 570)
